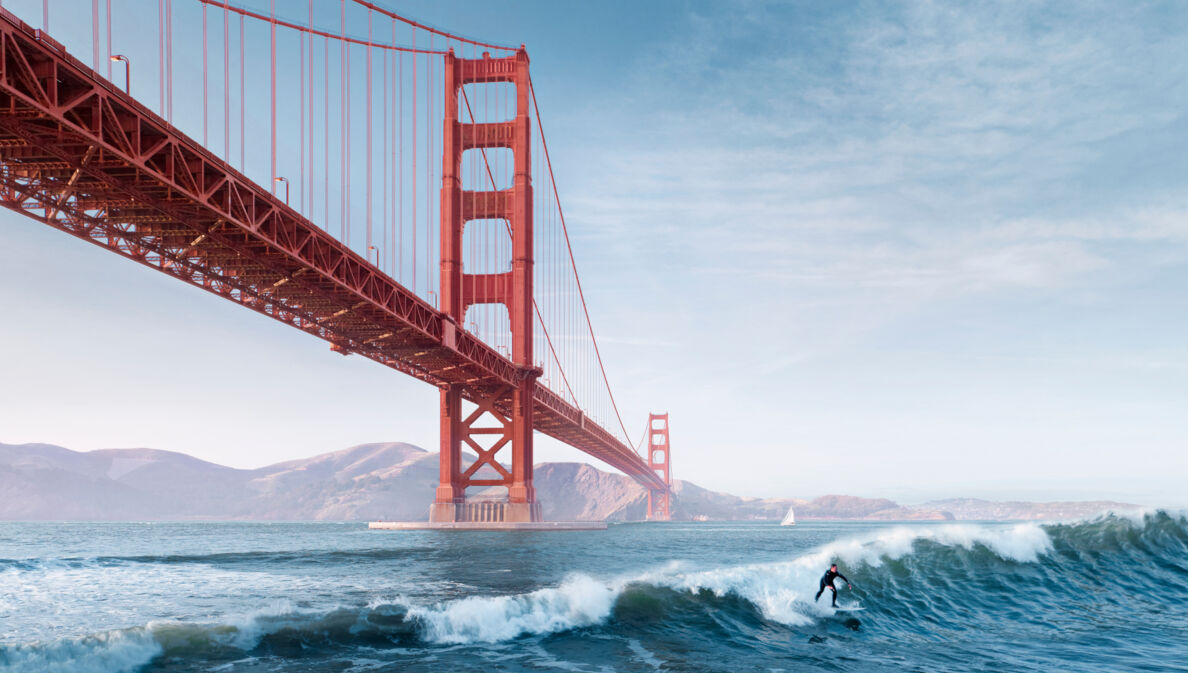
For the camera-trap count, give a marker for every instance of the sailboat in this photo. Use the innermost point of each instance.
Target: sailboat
(789, 518)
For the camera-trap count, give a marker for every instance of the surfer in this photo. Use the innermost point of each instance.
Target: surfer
(827, 581)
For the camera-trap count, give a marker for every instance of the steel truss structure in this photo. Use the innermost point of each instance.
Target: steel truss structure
(84, 157)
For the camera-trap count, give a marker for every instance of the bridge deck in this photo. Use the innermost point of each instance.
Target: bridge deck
(84, 157)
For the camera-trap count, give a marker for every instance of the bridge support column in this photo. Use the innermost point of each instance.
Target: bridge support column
(450, 491)
(510, 406)
(521, 496)
(659, 501)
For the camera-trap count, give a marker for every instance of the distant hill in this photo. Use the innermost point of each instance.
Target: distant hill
(972, 509)
(392, 481)
(41, 481)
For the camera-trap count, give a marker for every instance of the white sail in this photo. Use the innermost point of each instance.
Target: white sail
(789, 518)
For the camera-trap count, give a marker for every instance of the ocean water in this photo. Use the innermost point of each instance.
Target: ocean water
(1104, 595)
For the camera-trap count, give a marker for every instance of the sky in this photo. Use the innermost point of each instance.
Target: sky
(908, 250)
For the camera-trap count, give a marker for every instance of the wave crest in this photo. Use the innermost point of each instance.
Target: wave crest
(110, 652)
(902, 575)
(579, 601)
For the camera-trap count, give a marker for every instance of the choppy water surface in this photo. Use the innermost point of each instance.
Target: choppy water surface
(1106, 595)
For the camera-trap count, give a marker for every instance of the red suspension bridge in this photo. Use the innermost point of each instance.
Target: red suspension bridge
(345, 170)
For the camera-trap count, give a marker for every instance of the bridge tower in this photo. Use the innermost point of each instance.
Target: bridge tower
(512, 423)
(658, 454)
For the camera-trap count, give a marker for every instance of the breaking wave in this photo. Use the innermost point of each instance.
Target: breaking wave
(946, 574)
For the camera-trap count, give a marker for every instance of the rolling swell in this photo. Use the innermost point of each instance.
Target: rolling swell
(312, 557)
(280, 631)
(920, 582)
(911, 581)
(1100, 568)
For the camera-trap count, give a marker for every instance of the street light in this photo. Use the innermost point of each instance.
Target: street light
(286, 188)
(370, 248)
(127, 71)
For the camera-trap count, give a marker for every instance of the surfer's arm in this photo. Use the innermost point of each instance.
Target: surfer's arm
(843, 578)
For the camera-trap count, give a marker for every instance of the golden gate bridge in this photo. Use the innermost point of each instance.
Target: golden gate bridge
(348, 171)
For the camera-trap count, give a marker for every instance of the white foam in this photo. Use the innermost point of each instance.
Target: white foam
(249, 628)
(782, 591)
(579, 601)
(1138, 515)
(110, 652)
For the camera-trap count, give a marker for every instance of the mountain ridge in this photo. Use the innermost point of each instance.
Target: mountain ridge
(396, 481)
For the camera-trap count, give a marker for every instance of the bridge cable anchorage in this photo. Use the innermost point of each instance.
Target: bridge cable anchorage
(573, 264)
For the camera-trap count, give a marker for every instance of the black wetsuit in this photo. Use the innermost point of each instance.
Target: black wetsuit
(827, 581)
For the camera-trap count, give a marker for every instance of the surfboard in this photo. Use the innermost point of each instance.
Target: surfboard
(849, 608)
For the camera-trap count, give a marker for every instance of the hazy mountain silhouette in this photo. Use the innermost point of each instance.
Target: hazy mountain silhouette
(392, 481)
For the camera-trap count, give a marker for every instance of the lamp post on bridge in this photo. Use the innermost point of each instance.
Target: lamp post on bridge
(286, 181)
(115, 58)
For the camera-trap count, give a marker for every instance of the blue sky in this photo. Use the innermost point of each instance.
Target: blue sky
(912, 250)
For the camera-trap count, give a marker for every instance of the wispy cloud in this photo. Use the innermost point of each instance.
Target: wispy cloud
(929, 146)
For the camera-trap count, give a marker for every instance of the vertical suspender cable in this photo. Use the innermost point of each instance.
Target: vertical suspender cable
(226, 84)
(393, 245)
(242, 116)
(95, 32)
(428, 167)
(301, 128)
(347, 141)
(310, 177)
(368, 153)
(400, 168)
(384, 159)
(160, 50)
(413, 165)
(108, 35)
(326, 134)
(573, 264)
(342, 82)
(205, 100)
(272, 88)
(169, 59)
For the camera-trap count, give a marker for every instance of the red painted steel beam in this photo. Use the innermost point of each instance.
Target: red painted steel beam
(89, 160)
(658, 447)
